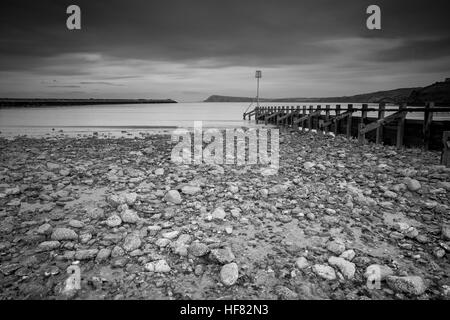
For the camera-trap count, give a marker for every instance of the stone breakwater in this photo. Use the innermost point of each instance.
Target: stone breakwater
(140, 227)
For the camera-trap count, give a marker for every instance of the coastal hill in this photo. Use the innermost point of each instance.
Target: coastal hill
(399, 95)
(438, 92)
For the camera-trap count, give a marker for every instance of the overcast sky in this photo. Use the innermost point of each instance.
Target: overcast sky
(190, 49)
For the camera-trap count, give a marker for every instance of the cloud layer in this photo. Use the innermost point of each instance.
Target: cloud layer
(188, 50)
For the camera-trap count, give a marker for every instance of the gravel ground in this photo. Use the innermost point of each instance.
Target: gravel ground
(140, 227)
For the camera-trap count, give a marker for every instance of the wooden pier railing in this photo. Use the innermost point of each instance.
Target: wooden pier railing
(379, 129)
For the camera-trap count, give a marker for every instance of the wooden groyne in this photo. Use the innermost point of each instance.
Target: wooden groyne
(353, 121)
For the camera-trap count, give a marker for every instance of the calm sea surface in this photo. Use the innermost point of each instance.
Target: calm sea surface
(110, 118)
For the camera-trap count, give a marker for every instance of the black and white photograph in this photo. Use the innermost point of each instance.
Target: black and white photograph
(243, 152)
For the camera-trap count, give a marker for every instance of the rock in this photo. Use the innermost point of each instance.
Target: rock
(302, 263)
(308, 165)
(171, 235)
(153, 230)
(85, 237)
(191, 190)
(117, 252)
(76, 224)
(446, 232)
(414, 285)
(173, 196)
(345, 267)
(158, 266)
(103, 254)
(113, 221)
(162, 243)
(324, 271)
(229, 274)
(129, 216)
(132, 242)
(284, 293)
(48, 245)
(45, 229)
(412, 184)
(159, 171)
(278, 189)
(86, 254)
(198, 249)
(348, 255)
(222, 255)
(64, 234)
(52, 166)
(337, 246)
(219, 214)
(130, 198)
(445, 185)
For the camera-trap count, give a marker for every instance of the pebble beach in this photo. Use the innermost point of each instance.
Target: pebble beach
(140, 227)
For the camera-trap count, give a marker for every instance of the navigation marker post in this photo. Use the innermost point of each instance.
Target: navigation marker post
(258, 75)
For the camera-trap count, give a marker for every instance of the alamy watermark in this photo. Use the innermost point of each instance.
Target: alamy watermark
(234, 146)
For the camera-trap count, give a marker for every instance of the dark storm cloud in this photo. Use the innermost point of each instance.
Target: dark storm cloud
(243, 32)
(127, 38)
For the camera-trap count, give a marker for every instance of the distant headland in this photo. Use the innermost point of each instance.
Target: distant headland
(11, 102)
(438, 92)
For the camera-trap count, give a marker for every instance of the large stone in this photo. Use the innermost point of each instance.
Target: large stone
(48, 245)
(229, 274)
(158, 266)
(171, 234)
(414, 285)
(324, 271)
(412, 184)
(222, 255)
(348, 255)
(345, 267)
(278, 189)
(45, 229)
(302, 263)
(337, 246)
(64, 234)
(113, 221)
(446, 232)
(132, 242)
(380, 272)
(76, 224)
(173, 196)
(130, 198)
(129, 216)
(198, 249)
(219, 214)
(103, 254)
(191, 190)
(86, 254)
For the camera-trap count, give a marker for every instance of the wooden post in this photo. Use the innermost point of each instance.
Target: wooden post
(401, 127)
(428, 119)
(379, 134)
(362, 136)
(295, 125)
(327, 116)
(303, 122)
(445, 158)
(336, 123)
(291, 118)
(349, 121)
(318, 129)
(310, 118)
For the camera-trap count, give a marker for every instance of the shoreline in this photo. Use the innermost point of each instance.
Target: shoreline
(105, 204)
